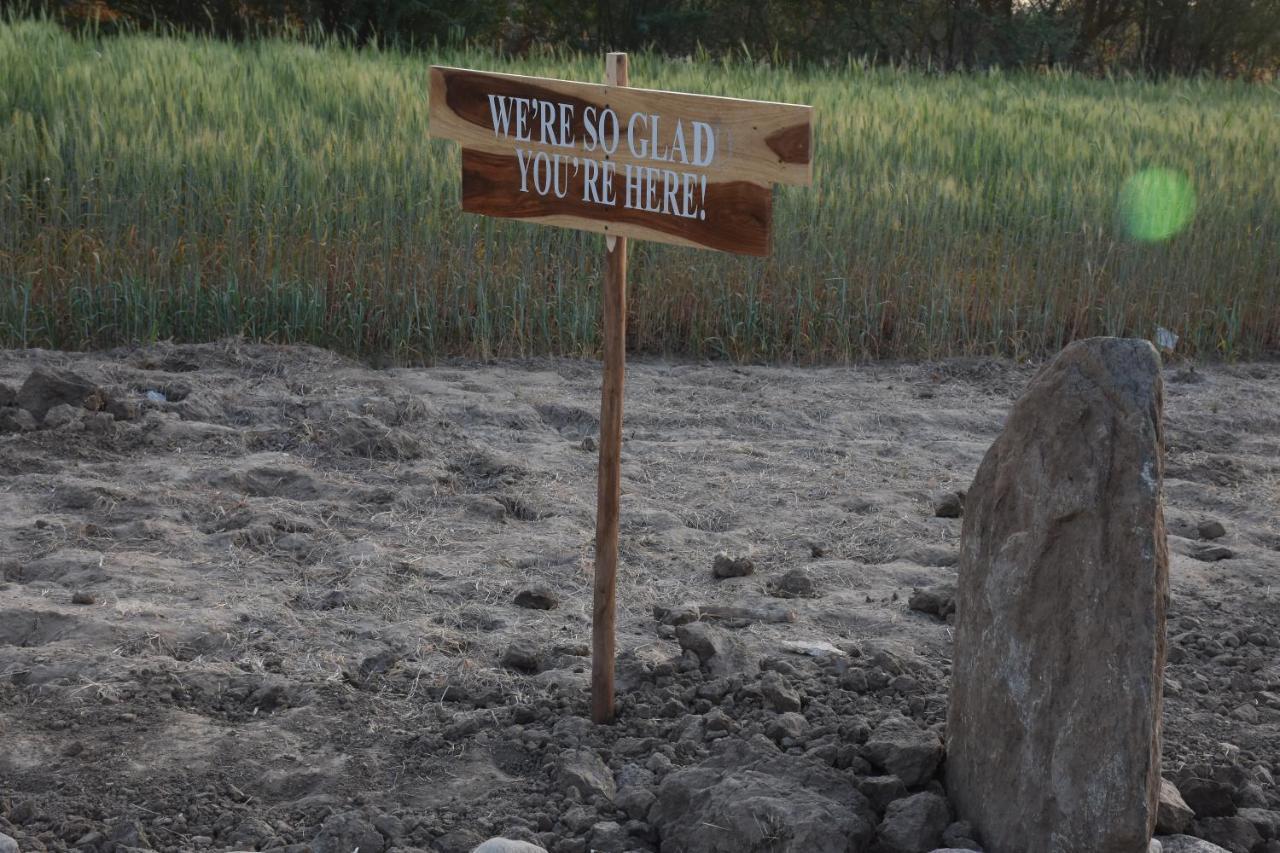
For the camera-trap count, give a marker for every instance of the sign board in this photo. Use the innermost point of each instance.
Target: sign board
(687, 169)
(623, 162)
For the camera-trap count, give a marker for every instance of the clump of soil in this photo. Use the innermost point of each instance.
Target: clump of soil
(283, 599)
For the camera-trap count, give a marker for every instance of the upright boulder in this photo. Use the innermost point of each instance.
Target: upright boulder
(1054, 724)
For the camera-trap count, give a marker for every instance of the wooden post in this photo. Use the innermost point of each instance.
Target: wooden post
(609, 485)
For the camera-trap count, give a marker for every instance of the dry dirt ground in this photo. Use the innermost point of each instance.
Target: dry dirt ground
(269, 605)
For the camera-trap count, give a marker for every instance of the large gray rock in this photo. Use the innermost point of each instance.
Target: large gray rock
(753, 800)
(1054, 723)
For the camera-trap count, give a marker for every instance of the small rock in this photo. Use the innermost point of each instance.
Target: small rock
(506, 845)
(914, 824)
(17, 420)
(46, 388)
(794, 584)
(1267, 822)
(902, 748)
(579, 819)
(7, 844)
(82, 597)
(589, 444)
(635, 802)
(726, 566)
(1234, 834)
(1208, 797)
(1186, 844)
(717, 652)
(778, 694)
(1173, 815)
(949, 505)
(608, 836)
(61, 415)
(959, 836)
(1211, 530)
(343, 832)
(1212, 553)
(522, 656)
(788, 725)
(937, 600)
(882, 790)
(537, 598)
(583, 771)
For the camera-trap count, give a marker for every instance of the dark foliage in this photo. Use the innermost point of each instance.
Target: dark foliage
(1222, 37)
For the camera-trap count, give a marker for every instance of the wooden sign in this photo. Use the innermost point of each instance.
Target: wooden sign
(687, 169)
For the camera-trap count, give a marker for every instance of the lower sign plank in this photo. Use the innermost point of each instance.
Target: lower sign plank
(624, 200)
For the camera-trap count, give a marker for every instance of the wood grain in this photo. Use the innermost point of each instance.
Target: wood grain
(739, 213)
(613, 325)
(757, 141)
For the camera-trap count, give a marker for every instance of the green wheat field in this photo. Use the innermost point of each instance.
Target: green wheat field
(188, 189)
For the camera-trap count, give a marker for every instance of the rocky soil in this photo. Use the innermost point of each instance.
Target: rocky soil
(259, 598)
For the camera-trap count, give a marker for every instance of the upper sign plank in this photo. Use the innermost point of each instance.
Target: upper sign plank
(676, 168)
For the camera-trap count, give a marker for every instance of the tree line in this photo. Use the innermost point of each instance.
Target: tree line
(1239, 38)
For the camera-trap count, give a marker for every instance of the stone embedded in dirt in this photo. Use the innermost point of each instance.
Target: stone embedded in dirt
(789, 725)
(1211, 529)
(796, 583)
(523, 656)
(1235, 833)
(82, 597)
(750, 799)
(506, 845)
(1187, 844)
(343, 832)
(914, 824)
(1208, 797)
(252, 833)
(47, 387)
(778, 694)
(61, 415)
(7, 844)
(1061, 607)
(583, 770)
(726, 566)
(939, 600)
(882, 790)
(717, 652)
(608, 836)
(959, 836)
(635, 801)
(1212, 553)
(1173, 815)
(949, 505)
(537, 598)
(17, 420)
(901, 747)
(1267, 822)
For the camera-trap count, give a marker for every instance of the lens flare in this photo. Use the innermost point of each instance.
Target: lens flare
(1156, 204)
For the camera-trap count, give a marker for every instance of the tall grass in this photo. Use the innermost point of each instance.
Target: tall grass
(189, 189)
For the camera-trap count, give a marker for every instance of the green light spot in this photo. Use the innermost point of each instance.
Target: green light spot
(1156, 204)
